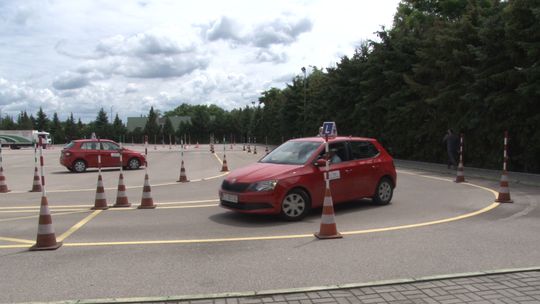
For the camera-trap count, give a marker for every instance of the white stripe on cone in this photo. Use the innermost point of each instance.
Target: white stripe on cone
(45, 229)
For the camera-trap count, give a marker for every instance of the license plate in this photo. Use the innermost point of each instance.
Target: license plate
(229, 197)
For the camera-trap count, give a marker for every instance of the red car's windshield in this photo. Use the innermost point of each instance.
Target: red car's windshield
(292, 153)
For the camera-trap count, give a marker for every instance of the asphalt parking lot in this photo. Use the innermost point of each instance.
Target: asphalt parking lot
(190, 245)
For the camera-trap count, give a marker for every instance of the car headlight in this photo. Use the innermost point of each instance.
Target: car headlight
(268, 185)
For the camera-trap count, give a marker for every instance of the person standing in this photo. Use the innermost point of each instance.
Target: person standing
(452, 145)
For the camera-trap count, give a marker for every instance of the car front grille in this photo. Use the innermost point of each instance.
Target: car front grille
(234, 187)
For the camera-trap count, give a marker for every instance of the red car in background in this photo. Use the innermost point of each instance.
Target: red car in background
(81, 154)
(289, 181)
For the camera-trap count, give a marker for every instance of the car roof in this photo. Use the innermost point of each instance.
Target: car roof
(333, 139)
(90, 140)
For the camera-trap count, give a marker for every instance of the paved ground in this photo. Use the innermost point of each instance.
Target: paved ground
(183, 247)
(501, 287)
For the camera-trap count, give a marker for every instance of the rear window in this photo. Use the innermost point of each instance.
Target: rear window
(363, 149)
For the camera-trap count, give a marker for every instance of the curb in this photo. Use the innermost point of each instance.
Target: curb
(291, 290)
(529, 179)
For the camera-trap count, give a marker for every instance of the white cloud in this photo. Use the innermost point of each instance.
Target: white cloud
(78, 56)
(70, 80)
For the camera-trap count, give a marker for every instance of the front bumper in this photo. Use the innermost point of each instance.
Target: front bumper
(267, 202)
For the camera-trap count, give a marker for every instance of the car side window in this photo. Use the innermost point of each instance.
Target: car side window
(88, 146)
(338, 152)
(109, 146)
(363, 150)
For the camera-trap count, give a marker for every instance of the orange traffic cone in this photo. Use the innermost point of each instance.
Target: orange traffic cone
(3, 185)
(266, 150)
(197, 145)
(244, 148)
(254, 149)
(36, 185)
(121, 197)
(46, 239)
(183, 177)
(328, 228)
(224, 167)
(249, 149)
(460, 177)
(101, 201)
(147, 202)
(231, 147)
(504, 191)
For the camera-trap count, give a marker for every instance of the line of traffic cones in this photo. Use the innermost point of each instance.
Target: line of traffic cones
(3, 185)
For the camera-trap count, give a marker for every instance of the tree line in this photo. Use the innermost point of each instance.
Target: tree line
(469, 65)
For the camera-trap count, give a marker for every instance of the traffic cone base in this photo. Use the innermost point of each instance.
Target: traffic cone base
(36, 185)
(46, 239)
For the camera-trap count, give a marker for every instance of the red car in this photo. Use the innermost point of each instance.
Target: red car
(289, 181)
(81, 154)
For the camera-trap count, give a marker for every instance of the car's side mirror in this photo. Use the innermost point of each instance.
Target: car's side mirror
(321, 162)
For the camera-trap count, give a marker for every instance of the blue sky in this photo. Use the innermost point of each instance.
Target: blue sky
(79, 56)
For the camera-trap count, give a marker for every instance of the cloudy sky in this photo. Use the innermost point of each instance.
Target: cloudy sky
(77, 56)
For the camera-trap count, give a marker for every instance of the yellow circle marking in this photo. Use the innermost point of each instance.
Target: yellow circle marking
(295, 236)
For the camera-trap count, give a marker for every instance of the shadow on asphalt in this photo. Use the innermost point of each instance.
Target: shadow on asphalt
(236, 219)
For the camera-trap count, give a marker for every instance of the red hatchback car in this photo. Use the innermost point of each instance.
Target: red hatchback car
(81, 154)
(289, 181)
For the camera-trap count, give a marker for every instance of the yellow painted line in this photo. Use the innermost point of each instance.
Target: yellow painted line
(38, 206)
(219, 159)
(452, 219)
(16, 240)
(37, 215)
(34, 211)
(78, 225)
(275, 237)
(60, 208)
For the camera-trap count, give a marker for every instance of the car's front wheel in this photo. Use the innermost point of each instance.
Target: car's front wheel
(295, 205)
(79, 166)
(134, 164)
(383, 192)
